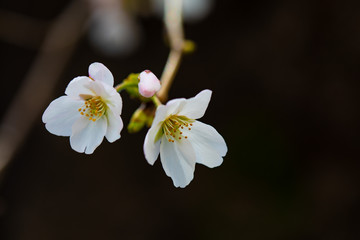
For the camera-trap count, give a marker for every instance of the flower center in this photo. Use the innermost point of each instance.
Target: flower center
(175, 127)
(93, 108)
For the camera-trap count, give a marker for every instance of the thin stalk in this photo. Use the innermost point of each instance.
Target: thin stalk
(174, 27)
(124, 85)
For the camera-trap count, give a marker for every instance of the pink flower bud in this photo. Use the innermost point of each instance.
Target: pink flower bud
(149, 84)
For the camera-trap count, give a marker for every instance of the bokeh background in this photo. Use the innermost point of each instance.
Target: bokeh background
(285, 80)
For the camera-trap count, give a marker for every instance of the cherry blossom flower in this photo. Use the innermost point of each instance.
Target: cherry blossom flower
(183, 141)
(149, 84)
(89, 111)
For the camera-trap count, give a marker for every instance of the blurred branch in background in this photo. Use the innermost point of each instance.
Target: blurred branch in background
(57, 48)
(174, 28)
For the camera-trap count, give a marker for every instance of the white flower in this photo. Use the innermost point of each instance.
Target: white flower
(89, 111)
(149, 84)
(182, 141)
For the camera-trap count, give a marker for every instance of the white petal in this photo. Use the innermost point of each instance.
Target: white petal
(205, 153)
(195, 107)
(174, 106)
(152, 148)
(178, 161)
(205, 136)
(160, 115)
(87, 135)
(99, 72)
(61, 114)
(114, 126)
(114, 100)
(79, 86)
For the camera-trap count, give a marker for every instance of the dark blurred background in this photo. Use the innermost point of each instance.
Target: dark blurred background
(285, 80)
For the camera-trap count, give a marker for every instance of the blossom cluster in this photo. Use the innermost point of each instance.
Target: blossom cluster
(91, 110)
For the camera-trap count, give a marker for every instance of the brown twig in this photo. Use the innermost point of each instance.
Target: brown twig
(174, 27)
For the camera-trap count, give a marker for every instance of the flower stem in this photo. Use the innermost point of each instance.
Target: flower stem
(124, 85)
(174, 26)
(156, 100)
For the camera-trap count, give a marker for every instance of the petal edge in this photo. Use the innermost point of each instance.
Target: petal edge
(99, 72)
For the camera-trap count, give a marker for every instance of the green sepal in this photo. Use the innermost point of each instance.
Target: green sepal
(141, 117)
(159, 134)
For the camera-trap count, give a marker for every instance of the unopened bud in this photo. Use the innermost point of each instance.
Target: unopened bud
(149, 84)
(144, 115)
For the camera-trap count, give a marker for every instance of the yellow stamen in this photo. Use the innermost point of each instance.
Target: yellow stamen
(93, 108)
(172, 125)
